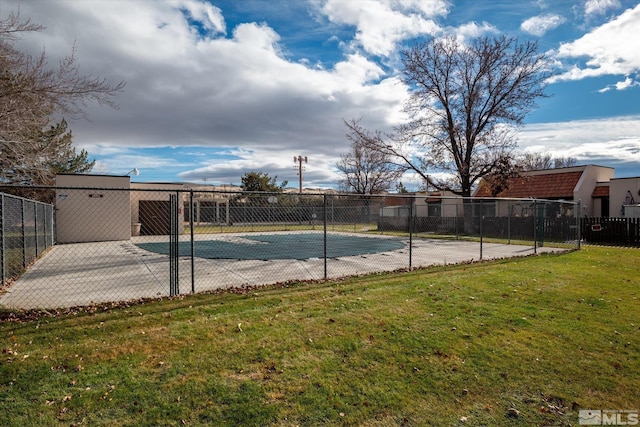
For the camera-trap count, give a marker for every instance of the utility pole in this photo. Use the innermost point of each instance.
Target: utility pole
(299, 160)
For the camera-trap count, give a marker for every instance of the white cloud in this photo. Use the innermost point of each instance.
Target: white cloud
(539, 25)
(622, 85)
(627, 83)
(429, 8)
(473, 30)
(602, 141)
(186, 88)
(599, 7)
(609, 49)
(117, 159)
(209, 16)
(194, 80)
(381, 25)
(319, 171)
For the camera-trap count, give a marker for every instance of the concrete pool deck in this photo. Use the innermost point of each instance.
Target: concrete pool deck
(83, 274)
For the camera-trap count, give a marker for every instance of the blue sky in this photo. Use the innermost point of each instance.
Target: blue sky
(222, 87)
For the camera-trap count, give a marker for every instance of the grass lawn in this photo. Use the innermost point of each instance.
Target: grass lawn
(507, 343)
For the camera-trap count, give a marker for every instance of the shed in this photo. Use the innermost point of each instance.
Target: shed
(92, 208)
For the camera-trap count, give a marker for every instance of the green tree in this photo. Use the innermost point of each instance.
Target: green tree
(56, 154)
(401, 189)
(65, 158)
(259, 181)
(253, 183)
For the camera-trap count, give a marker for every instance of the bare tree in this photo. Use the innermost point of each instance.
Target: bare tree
(533, 161)
(466, 102)
(31, 92)
(364, 169)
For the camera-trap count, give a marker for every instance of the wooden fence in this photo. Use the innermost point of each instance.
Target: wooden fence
(611, 231)
(553, 229)
(602, 231)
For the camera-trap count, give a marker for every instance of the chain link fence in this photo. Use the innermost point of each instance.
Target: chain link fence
(26, 232)
(120, 244)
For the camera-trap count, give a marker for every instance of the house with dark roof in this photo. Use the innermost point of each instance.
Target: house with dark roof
(588, 184)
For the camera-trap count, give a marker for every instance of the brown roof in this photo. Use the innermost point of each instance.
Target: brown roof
(396, 201)
(544, 186)
(601, 191)
(433, 198)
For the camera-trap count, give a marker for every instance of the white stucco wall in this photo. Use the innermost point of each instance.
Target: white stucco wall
(450, 204)
(591, 175)
(97, 211)
(621, 189)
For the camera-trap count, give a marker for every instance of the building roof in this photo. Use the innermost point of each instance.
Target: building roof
(601, 191)
(558, 185)
(433, 198)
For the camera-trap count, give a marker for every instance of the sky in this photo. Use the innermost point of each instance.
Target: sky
(218, 88)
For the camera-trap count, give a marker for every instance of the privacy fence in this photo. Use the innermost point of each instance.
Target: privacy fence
(120, 244)
(611, 231)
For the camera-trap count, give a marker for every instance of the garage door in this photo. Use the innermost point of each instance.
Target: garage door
(154, 217)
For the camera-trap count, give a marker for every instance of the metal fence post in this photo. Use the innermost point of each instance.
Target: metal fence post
(381, 215)
(24, 235)
(457, 217)
(578, 224)
(324, 215)
(35, 227)
(509, 222)
(3, 252)
(411, 200)
(193, 279)
(45, 227)
(52, 216)
(535, 227)
(173, 245)
(481, 223)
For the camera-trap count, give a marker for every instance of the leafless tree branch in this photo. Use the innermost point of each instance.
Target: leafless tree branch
(31, 92)
(367, 168)
(466, 102)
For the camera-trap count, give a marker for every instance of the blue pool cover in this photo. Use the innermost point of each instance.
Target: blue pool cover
(280, 246)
